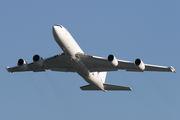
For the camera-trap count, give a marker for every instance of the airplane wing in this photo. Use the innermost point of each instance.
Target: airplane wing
(56, 63)
(100, 64)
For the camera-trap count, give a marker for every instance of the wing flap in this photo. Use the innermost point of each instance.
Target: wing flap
(159, 68)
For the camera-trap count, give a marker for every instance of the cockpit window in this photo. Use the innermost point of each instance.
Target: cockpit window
(59, 26)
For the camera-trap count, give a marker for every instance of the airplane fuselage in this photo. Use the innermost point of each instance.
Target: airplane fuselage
(71, 48)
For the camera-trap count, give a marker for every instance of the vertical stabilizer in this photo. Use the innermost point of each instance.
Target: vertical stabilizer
(103, 76)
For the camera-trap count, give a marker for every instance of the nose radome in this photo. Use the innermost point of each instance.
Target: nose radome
(57, 29)
(55, 26)
(54, 30)
(58, 25)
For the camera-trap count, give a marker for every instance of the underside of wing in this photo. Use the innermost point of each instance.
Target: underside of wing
(100, 64)
(56, 63)
(159, 68)
(94, 63)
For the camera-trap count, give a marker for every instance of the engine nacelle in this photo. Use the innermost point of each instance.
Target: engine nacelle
(38, 60)
(22, 64)
(112, 60)
(139, 63)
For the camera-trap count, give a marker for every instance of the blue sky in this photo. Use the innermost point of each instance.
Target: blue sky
(127, 29)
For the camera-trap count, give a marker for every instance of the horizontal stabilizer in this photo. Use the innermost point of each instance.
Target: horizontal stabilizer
(106, 87)
(115, 87)
(89, 87)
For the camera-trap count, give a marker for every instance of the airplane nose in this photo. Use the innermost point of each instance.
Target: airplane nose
(58, 25)
(55, 26)
(54, 30)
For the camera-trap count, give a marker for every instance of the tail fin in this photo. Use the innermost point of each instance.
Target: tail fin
(103, 76)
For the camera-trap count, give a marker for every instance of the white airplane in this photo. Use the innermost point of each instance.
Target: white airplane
(92, 68)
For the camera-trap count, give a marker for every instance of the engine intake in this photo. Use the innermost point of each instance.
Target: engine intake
(22, 64)
(38, 60)
(139, 63)
(112, 60)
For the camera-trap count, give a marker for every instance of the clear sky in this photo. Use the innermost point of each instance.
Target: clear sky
(129, 29)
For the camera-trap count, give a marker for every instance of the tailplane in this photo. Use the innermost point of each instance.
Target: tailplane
(106, 87)
(115, 87)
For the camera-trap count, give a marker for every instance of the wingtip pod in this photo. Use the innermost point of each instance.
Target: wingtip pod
(172, 69)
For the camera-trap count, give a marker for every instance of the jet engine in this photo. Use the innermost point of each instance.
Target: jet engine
(112, 60)
(22, 64)
(139, 63)
(38, 60)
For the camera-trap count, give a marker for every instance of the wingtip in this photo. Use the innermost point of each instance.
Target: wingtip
(172, 69)
(7, 68)
(130, 89)
(105, 91)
